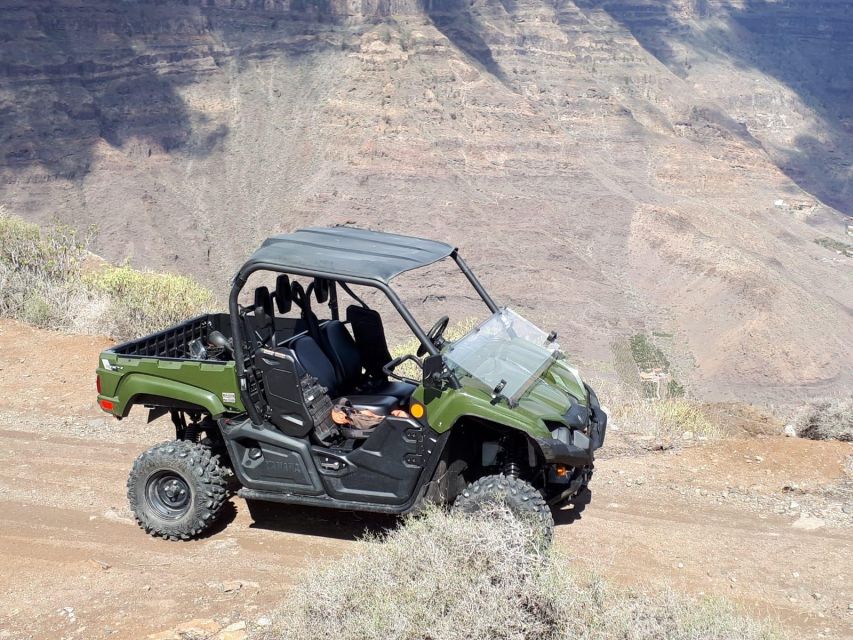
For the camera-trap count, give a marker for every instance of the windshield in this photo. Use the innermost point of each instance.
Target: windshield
(505, 349)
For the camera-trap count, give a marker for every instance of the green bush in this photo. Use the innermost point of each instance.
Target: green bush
(39, 271)
(675, 389)
(42, 282)
(647, 355)
(450, 577)
(56, 254)
(36, 310)
(143, 301)
(835, 245)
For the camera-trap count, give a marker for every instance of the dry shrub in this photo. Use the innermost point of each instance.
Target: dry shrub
(665, 420)
(828, 419)
(451, 577)
(42, 282)
(40, 272)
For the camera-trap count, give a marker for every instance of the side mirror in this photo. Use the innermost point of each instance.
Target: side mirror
(435, 372)
(263, 299)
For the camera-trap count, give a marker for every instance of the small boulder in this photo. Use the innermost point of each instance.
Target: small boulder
(235, 631)
(196, 627)
(808, 522)
(233, 585)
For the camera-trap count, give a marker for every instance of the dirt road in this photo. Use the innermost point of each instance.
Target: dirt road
(764, 521)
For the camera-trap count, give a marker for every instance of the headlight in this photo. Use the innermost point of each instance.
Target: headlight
(577, 416)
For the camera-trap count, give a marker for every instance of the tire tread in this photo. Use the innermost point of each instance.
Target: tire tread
(519, 495)
(201, 469)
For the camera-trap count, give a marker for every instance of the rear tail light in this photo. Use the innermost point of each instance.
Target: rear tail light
(98, 384)
(106, 405)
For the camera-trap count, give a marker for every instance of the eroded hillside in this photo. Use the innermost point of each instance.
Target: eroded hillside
(614, 168)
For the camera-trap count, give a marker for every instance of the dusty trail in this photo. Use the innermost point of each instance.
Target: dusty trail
(712, 519)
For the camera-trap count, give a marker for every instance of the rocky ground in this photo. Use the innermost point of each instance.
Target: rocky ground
(764, 520)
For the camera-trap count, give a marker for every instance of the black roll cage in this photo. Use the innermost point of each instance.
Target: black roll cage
(243, 275)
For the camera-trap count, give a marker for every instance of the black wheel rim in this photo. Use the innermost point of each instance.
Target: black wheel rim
(168, 494)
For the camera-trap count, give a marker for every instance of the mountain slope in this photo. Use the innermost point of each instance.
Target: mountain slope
(621, 157)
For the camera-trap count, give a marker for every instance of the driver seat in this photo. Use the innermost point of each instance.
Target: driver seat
(342, 348)
(317, 364)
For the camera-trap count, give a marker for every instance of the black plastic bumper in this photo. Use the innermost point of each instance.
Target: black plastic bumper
(573, 447)
(556, 451)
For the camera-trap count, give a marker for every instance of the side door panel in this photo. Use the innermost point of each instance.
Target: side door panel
(384, 469)
(268, 460)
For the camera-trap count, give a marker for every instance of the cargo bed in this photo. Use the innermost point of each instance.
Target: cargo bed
(159, 371)
(173, 343)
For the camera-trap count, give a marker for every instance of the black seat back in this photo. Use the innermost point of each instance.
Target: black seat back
(308, 318)
(342, 350)
(263, 323)
(369, 340)
(315, 362)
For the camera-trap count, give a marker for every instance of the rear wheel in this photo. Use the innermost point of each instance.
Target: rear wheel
(519, 496)
(176, 490)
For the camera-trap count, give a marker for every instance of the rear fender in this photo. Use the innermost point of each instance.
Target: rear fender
(134, 385)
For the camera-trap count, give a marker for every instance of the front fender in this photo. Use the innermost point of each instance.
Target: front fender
(445, 409)
(134, 385)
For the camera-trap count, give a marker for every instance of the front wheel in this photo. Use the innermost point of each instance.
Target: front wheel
(522, 499)
(176, 490)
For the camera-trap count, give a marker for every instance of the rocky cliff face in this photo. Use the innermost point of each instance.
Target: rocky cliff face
(612, 167)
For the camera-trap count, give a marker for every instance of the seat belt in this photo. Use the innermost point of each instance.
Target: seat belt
(303, 301)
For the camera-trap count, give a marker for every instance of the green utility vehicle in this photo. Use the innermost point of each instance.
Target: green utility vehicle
(497, 415)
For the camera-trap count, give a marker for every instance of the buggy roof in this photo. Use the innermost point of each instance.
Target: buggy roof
(346, 252)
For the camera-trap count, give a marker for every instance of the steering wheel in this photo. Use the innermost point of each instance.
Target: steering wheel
(435, 335)
(388, 369)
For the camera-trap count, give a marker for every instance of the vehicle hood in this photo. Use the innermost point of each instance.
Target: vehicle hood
(551, 396)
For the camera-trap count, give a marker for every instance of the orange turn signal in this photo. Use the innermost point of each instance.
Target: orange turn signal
(561, 470)
(417, 410)
(106, 405)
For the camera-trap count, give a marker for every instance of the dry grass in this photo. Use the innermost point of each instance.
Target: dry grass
(450, 577)
(665, 421)
(827, 419)
(42, 282)
(410, 369)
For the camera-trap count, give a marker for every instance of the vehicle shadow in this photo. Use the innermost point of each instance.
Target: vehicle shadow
(573, 511)
(226, 517)
(314, 521)
(348, 525)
